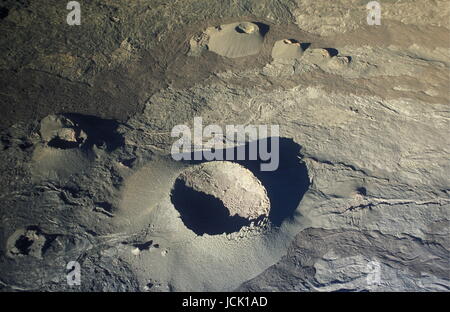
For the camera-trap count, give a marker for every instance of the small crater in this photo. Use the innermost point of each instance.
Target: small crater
(30, 241)
(246, 28)
(23, 244)
(340, 61)
(287, 49)
(69, 131)
(61, 133)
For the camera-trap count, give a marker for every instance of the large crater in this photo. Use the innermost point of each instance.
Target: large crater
(219, 197)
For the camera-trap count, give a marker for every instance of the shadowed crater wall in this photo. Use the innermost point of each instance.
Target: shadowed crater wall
(203, 213)
(99, 131)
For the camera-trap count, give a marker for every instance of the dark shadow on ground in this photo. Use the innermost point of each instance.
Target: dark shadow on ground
(332, 51)
(204, 213)
(305, 45)
(263, 28)
(100, 132)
